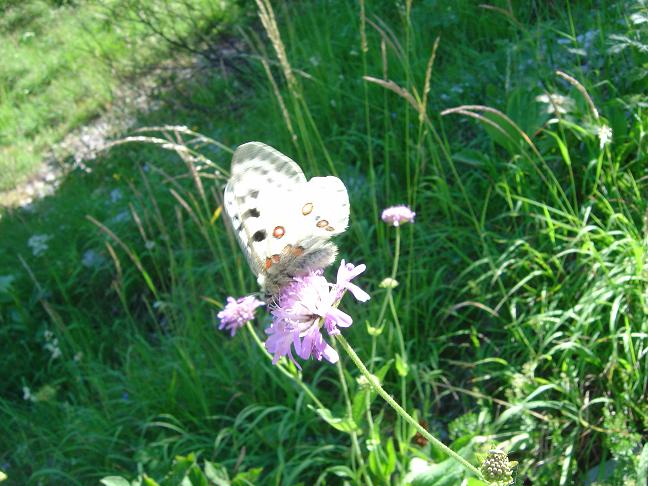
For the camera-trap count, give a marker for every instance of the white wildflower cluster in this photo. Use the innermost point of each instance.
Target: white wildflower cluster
(605, 135)
(52, 344)
(38, 244)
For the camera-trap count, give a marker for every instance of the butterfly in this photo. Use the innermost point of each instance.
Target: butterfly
(283, 223)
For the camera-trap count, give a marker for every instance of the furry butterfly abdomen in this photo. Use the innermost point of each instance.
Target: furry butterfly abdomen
(282, 222)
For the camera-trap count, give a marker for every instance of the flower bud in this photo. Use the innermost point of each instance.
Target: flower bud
(388, 283)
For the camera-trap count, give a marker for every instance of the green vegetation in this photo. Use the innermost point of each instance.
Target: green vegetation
(64, 62)
(522, 284)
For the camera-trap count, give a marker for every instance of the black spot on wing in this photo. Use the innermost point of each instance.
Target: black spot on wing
(251, 213)
(259, 235)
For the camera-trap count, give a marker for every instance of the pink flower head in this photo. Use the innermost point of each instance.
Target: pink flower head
(237, 312)
(397, 215)
(305, 306)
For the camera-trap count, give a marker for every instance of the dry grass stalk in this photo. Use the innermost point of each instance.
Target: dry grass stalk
(388, 36)
(392, 86)
(363, 28)
(468, 110)
(383, 55)
(428, 78)
(582, 91)
(266, 14)
(508, 13)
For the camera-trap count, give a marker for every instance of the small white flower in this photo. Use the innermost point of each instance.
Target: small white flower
(604, 135)
(52, 344)
(78, 356)
(149, 245)
(38, 244)
(53, 348)
(27, 394)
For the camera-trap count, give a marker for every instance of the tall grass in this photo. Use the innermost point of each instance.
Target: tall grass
(522, 284)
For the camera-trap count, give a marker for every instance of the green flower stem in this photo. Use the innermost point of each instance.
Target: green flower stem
(383, 308)
(392, 403)
(354, 436)
(389, 300)
(283, 369)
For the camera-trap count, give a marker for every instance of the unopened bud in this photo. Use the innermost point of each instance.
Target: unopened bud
(389, 283)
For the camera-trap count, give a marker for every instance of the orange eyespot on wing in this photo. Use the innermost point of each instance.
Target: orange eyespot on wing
(278, 232)
(322, 223)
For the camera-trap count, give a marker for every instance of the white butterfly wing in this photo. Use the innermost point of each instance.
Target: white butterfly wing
(283, 222)
(256, 167)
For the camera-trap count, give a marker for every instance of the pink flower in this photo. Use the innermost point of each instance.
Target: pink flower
(397, 215)
(345, 273)
(305, 306)
(237, 312)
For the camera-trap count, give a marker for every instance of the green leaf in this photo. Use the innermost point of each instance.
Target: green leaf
(382, 372)
(642, 466)
(247, 478)
(149, 481)
(390, 466)
(342, 424)
(446, 473)
(114, 481)
(341, 471)
(216, 473)
(359, 405)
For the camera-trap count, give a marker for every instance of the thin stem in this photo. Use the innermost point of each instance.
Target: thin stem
(383, 308)
(283, 369)
(392, 403)
(354, 436)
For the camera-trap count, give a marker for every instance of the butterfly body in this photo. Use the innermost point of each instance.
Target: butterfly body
(283, 222)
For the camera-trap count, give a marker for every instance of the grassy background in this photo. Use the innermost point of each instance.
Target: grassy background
(65, 62)
(522, 293)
